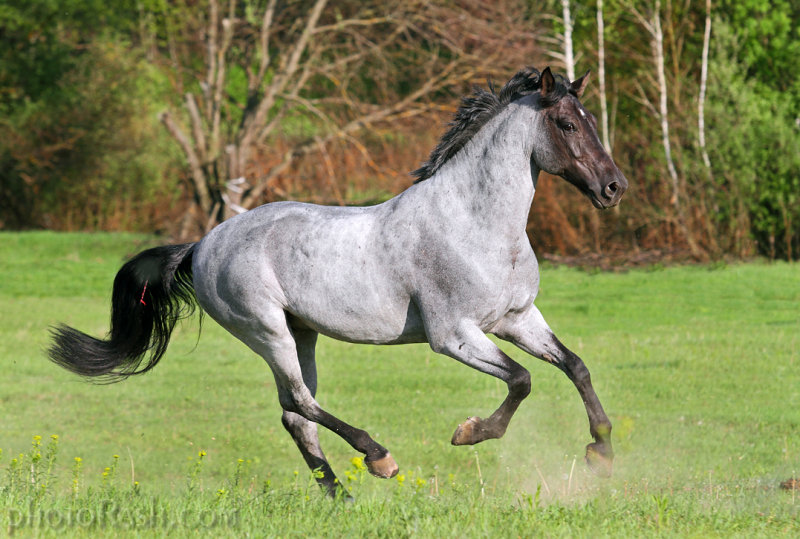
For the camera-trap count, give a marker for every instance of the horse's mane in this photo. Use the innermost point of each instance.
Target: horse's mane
(477, 109)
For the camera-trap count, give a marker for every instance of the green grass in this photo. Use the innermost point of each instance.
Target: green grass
(698, 369)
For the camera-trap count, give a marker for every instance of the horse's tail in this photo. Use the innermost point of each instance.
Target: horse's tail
(151, 293)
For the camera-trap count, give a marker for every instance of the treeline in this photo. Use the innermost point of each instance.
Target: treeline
(170, 116)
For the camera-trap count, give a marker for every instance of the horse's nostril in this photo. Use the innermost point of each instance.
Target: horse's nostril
(611, 189)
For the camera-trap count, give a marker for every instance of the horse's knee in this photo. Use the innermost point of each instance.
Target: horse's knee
(299, 401)
(439, 345)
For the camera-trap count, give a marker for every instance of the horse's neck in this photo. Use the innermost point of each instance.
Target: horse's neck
(493, 176)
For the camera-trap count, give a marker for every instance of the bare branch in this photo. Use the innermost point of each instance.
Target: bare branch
(308, 104)
(644, 21)
(254, 124)
(442, 80)
(297, 87)
(352, 22)
(642, 99)
(219, 83)
(213, 23)
(195, 167)
(264, 56)
(265, 181)
(197, 127)
(443, 46)
(344, 60)
(329, 169)
(302, 42)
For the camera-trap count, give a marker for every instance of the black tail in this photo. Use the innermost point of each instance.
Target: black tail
(151, 293)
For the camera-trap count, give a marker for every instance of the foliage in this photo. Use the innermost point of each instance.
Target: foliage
(81, 84)
(42, 40)
(768, 43)
(77, 145)
(755, 151)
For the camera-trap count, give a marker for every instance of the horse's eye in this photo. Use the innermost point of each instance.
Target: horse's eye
(567, 126)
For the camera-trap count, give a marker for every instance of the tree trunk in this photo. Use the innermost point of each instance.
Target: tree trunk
(658, 54)
(653, 27)
(601, 76)
(569, 59)
(702, 98)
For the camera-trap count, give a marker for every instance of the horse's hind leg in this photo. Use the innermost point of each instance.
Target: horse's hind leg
(530, 332)
(304, 432)
(274, 341)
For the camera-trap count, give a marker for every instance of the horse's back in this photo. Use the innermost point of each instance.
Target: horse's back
(325, 266)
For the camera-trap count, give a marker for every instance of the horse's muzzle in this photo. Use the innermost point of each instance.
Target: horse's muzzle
(610, 194)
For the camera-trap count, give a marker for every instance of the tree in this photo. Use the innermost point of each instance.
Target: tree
(267, 67)
(755, 154)
(75, 139)
(701, 100)
(601, 77)
(651, 22)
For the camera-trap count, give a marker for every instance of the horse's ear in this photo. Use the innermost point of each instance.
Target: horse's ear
(578, 86)
(548, 81)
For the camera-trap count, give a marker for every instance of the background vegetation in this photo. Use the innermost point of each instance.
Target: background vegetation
(696, 367)
(335, 101)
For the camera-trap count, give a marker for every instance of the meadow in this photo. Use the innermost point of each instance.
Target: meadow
(697, 366)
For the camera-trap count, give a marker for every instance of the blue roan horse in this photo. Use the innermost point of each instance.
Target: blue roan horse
(445, 262)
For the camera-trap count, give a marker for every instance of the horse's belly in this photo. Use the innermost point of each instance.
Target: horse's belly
(363, 329)
(358, 313)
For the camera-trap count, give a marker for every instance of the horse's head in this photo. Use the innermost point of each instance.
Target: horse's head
(570, 147)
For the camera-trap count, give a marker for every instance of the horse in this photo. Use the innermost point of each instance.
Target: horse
(447, 262)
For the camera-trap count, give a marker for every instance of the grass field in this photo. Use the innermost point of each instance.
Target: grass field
(697, 367)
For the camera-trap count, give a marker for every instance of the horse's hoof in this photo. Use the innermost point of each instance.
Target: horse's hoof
(599, 459)
(466, 431)
(384, 467)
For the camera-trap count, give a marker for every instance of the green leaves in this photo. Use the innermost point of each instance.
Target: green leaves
(755, 145)
(768, 36)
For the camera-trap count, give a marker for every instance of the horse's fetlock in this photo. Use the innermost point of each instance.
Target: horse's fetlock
(521, 383)
(363, 439)
(603, 430)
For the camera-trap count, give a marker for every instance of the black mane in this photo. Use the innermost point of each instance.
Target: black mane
(483, 105)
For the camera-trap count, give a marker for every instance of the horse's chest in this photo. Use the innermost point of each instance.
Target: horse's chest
(516, 293)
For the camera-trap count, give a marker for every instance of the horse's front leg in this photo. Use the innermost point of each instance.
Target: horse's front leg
(529, 331)
(470, 346)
